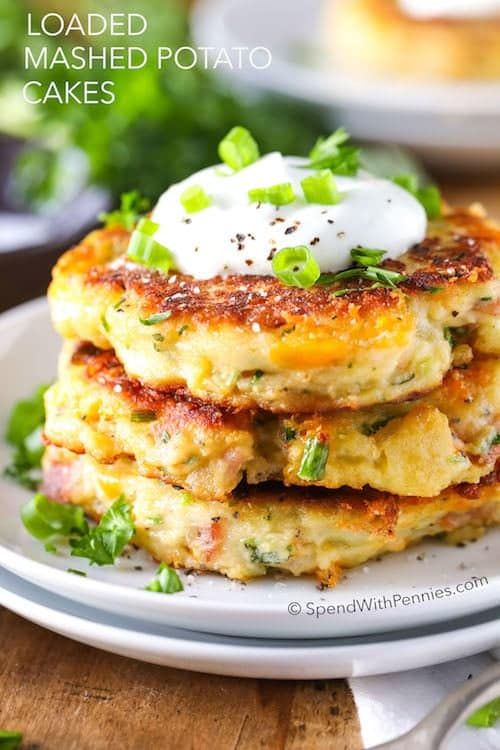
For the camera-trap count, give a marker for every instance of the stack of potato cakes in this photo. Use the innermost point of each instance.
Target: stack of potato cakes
(256, 426)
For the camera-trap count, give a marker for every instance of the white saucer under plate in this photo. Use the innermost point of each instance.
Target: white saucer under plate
(453, 123)
(251, 657)
(364, 602)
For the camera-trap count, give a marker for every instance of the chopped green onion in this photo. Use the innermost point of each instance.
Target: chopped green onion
(333, 153)
(166, 581)
(76, 572)
(238, 149)
(146, 251)
(143, 415)
(105, 323)
(296, 266)
(132, 206)
(496, 439)
(486, 716)
(381, 276)
(366, 256)
(155, 319)
(321, 188)
(314, 458)
(45, 519)
(104, 543)
(146, 226)
(429, 196)
(408, 182)
(195, 199)
(10, 740)
(279, 195)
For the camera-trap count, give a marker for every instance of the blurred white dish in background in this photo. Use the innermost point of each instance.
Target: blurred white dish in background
(450, 8)
(453, 124)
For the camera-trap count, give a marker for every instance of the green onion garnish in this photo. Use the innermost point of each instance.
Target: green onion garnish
(321, 188)
(238, 149)
(382, 276)
(365, 256)
(370, 271)
(166, 581)
(429, 196)
(279, 195)
(314, 458)
(146, 226)
(132, 206)
(486, 716)
(155, 319)
(143, 415)
(195, 199)
(333, 153)
(146, 251)
(296, 266)
(45, 519)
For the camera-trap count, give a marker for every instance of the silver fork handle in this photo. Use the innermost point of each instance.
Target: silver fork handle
(437, 726)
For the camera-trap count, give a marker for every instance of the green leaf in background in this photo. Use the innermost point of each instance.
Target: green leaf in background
(164, 124)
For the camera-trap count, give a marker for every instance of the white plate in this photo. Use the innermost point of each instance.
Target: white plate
(238, 657)
(211, 603)
(455, 123)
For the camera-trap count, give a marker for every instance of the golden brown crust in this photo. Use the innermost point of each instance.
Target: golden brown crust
(175, 406)
(456, 252)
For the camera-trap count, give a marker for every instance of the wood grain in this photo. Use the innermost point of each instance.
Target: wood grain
(65, 696)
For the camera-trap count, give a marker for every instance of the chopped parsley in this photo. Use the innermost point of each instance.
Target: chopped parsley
(106, 541)
(46, 520)
(166, 581)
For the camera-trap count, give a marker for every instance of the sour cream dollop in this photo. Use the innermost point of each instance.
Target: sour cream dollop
(423, 9)
(235, 236)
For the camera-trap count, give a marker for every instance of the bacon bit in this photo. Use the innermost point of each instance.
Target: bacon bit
(210, 538)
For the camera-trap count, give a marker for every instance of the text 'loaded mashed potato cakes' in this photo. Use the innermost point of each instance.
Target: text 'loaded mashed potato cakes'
(419, 447)
(299, 530)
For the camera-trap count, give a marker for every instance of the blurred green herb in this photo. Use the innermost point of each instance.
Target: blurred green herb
(24, 434)
(164, 124)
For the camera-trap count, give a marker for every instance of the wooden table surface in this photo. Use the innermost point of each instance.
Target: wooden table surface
(66, 696)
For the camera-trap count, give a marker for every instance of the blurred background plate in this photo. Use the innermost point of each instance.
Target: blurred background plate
(453, 125)
(34, 232)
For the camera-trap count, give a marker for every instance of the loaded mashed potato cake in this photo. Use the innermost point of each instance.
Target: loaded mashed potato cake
(290, 364)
